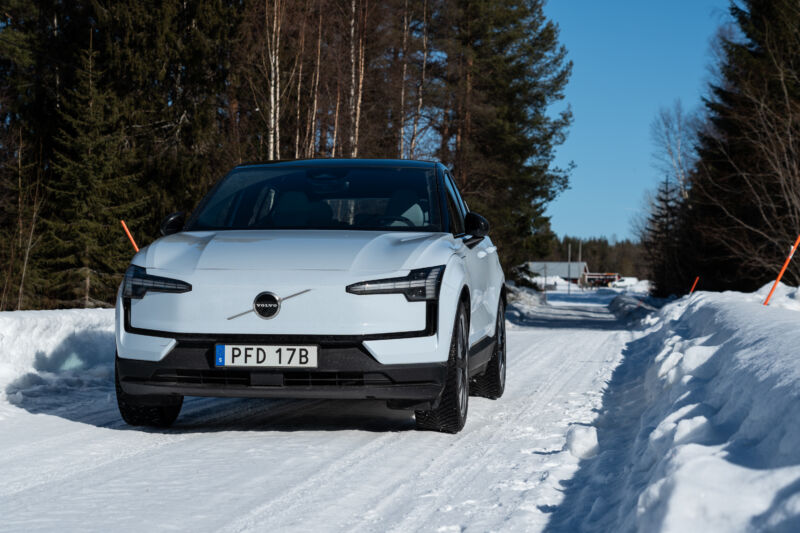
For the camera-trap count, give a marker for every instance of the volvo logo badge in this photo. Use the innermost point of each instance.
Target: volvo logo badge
(266, 305)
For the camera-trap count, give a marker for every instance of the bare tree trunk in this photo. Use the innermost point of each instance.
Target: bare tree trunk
(37, 203)
(273, 57)
(361, 54)
(297, 117)
(352, 107)
(311, 132)
(7, 281)
(87, 283)
(271, 82)
(277, 115)
(299, 86)
(336, 120)
(19, 188)
(459, 119)
(467, 131)
(413, 143)
(401, 128)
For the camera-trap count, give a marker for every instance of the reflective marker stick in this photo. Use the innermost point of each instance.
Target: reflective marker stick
(694, 284)
(780, 275)
(128, 233)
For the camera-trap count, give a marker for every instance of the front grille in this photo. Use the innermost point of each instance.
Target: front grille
(290, 379)
(333, 379)
(203, 377)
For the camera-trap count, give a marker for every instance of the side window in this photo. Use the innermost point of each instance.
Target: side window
(459, 199)
(453, 209)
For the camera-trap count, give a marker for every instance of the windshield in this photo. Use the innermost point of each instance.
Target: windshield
(336, 197)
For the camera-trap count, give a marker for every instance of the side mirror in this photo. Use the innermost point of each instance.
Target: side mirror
(476, 225)
(173, 223)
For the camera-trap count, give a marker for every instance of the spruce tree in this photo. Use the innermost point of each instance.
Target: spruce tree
(87, 252)
(661, 241)
(504, 69)
(745, 192)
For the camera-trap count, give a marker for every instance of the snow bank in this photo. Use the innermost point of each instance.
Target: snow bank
(541, 281)
(632, 306)
(522, 302)
(625, 282)
(700, 426)
(581, 441)
(44, 352)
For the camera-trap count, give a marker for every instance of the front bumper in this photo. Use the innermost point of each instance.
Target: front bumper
(346, 370)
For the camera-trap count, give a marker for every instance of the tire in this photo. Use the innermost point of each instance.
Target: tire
(451, 413)
(155, 411)
(492, 383)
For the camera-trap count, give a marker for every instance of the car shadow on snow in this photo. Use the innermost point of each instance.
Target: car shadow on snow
(75, 381)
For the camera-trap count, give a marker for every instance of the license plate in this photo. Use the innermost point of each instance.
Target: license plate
(266, 356)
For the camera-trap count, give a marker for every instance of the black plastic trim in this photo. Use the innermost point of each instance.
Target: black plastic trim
(431, 325)
(472, 240)
(344, 371)
(480, 353)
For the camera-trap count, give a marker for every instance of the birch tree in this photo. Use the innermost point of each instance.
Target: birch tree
(421, 83)
(402, 114)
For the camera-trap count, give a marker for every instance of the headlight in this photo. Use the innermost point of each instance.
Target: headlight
(137, 282)
(419, 285)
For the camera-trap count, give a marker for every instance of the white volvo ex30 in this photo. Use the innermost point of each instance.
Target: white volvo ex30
(317, 279)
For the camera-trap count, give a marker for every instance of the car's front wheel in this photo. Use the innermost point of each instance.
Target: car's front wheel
(155, 411)
(451, 413)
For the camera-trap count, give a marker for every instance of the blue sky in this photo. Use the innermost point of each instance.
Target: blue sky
(630, 58)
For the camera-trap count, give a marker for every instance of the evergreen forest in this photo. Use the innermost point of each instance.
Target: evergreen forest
(728, 208)
(133, 109)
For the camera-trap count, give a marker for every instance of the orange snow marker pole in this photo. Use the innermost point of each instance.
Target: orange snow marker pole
(694, 284)
(780, 275)
(128, 233)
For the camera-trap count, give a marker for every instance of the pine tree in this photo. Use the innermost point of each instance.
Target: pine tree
(504, 69)
(86, 252)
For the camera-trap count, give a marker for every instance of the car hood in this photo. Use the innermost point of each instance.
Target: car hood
(282, 250)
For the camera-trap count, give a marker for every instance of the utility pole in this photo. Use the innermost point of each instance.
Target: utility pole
(580, 249)
(545, 283)
(569, 265)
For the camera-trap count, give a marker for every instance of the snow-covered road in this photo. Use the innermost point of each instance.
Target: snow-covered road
(67, 462)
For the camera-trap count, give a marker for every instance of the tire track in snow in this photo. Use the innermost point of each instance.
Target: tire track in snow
(119, 447)
(463, 476)
(478, 437)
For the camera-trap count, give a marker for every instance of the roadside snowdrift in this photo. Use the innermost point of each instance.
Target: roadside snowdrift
(700, 426)
(44, 353)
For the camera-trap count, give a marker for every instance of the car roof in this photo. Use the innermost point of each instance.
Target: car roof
(407, 163)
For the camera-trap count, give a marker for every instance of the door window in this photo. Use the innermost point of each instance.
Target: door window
(459, 199)
(454, 209)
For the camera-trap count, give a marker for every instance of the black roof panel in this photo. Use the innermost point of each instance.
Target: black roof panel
(345, 162)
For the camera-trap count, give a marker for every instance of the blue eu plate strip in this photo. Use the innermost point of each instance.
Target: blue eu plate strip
(219, 360)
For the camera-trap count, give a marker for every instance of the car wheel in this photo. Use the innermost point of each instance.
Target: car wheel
(451, 413)
(152, 410)
(492, 382)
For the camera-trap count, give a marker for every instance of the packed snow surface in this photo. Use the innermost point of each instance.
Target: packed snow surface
(618, 416)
